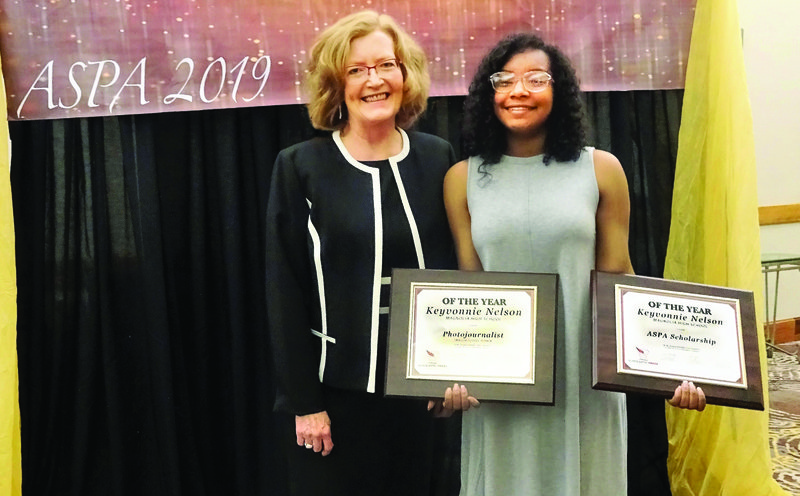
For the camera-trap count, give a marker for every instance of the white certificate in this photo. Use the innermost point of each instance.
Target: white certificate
(679, 336)
(474, 333)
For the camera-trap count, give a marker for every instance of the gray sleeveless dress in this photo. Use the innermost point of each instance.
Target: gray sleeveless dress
(531, 217)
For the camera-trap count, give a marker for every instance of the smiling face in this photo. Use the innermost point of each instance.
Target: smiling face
(373, 101)
(522, 112)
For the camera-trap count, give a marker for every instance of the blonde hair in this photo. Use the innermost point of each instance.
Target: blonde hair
(325, 78)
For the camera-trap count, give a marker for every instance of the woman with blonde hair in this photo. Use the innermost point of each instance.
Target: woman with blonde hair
(344, 210)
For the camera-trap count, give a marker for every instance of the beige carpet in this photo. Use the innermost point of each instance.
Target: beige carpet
(784, 417)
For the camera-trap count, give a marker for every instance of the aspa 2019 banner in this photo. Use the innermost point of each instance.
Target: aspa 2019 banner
(83, 58)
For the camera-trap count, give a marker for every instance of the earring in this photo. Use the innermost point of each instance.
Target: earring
(340, 111)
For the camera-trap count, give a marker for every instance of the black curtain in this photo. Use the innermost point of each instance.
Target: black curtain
(141, 330)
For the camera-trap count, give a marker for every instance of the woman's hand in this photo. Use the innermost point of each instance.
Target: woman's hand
(314, 432)
(689, 397)
(455, 399)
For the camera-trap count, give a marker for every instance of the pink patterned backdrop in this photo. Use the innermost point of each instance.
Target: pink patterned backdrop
(81, 58)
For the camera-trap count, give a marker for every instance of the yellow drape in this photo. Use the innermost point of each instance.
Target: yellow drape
(714, 239)
(10, 455)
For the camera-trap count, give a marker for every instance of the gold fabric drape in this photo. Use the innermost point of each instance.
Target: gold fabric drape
(10, 451)
(714, 239)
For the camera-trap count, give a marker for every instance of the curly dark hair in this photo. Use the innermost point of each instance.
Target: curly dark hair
(485, 136)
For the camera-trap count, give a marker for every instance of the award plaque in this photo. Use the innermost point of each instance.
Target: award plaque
(491, 331)
(651, 334)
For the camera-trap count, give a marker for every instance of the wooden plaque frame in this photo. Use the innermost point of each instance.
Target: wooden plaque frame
(605, 320)
(398, 355)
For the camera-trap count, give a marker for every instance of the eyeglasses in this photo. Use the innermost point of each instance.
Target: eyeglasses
(383, 68)
(533, 81)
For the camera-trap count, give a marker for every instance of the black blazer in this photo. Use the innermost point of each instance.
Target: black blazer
(327, 289)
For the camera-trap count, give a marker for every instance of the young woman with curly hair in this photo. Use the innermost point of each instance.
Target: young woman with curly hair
(533, 198)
